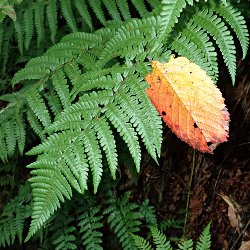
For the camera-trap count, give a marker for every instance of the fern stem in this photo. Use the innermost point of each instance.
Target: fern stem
(188, 196)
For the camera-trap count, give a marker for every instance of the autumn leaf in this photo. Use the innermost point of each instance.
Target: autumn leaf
(189, 102)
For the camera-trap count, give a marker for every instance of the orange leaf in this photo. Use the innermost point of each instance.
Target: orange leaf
(189, 102)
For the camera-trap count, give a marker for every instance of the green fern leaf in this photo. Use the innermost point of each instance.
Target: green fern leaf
(28, 27)
(1, 38)
(204, 242)
(67, 11)
(94, 156)
(164, 225)
(64, 233)
(51, 11)
(200, 38)
(84, 12)
(61, 87)
(148, 213)
(151, 115)
(124, 9)
(124, 220)
(35, 124)
(39, 22)
(37, 68)
(10, 136)
(127, 132)
(6, 47)
(107, 142)
(169, 15)
(121, 45)
(160, 239)
(78, 164)
(136, 113)
(73, 72)
(3, 151)
(236, 21)
(54, 102)
(49, 187)
(96, 6)
(19, 34)
(141, 243)
(218, 30)
(140, 7)
(90, 222)
(112, 9)
(39, 108)
(154, 3)
(186, 245)
(13, 217)
(20, 132)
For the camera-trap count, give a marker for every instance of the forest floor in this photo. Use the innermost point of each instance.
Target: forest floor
(220, 185)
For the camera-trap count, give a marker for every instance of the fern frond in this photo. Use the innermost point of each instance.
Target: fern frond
(53, 101)
(220, 33)
(39, 22)
(19, 34)
(12, 125)
(236, 21)
(61, 87)
(96, 6)
(38, 106)
(1, 38)
(154, 3)
(28, 27)
(124, 9)
(67, 11)
(171, 10)
(148, 213)
(126, 131)
(204, 242)
(6, 46)
(186, 245)
(90, 223)
(84, 12)
(13, 217)
(35, 124)
(64, 233)
(107, 142)
(51, 12)
(160, 239)
(10, 136)
(37, 68)
(122, 44)
(20, 132)
(93, 152)
(141, 243)
(124, 219)
(112, 9)
(3, 151)
(200, 38)
(49, 187)
(151, 114)
(171, 224)
(140, 7)
(130, 40)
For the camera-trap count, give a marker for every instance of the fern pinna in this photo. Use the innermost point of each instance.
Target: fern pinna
(89, 85)
(161, 242)
(89, 219)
